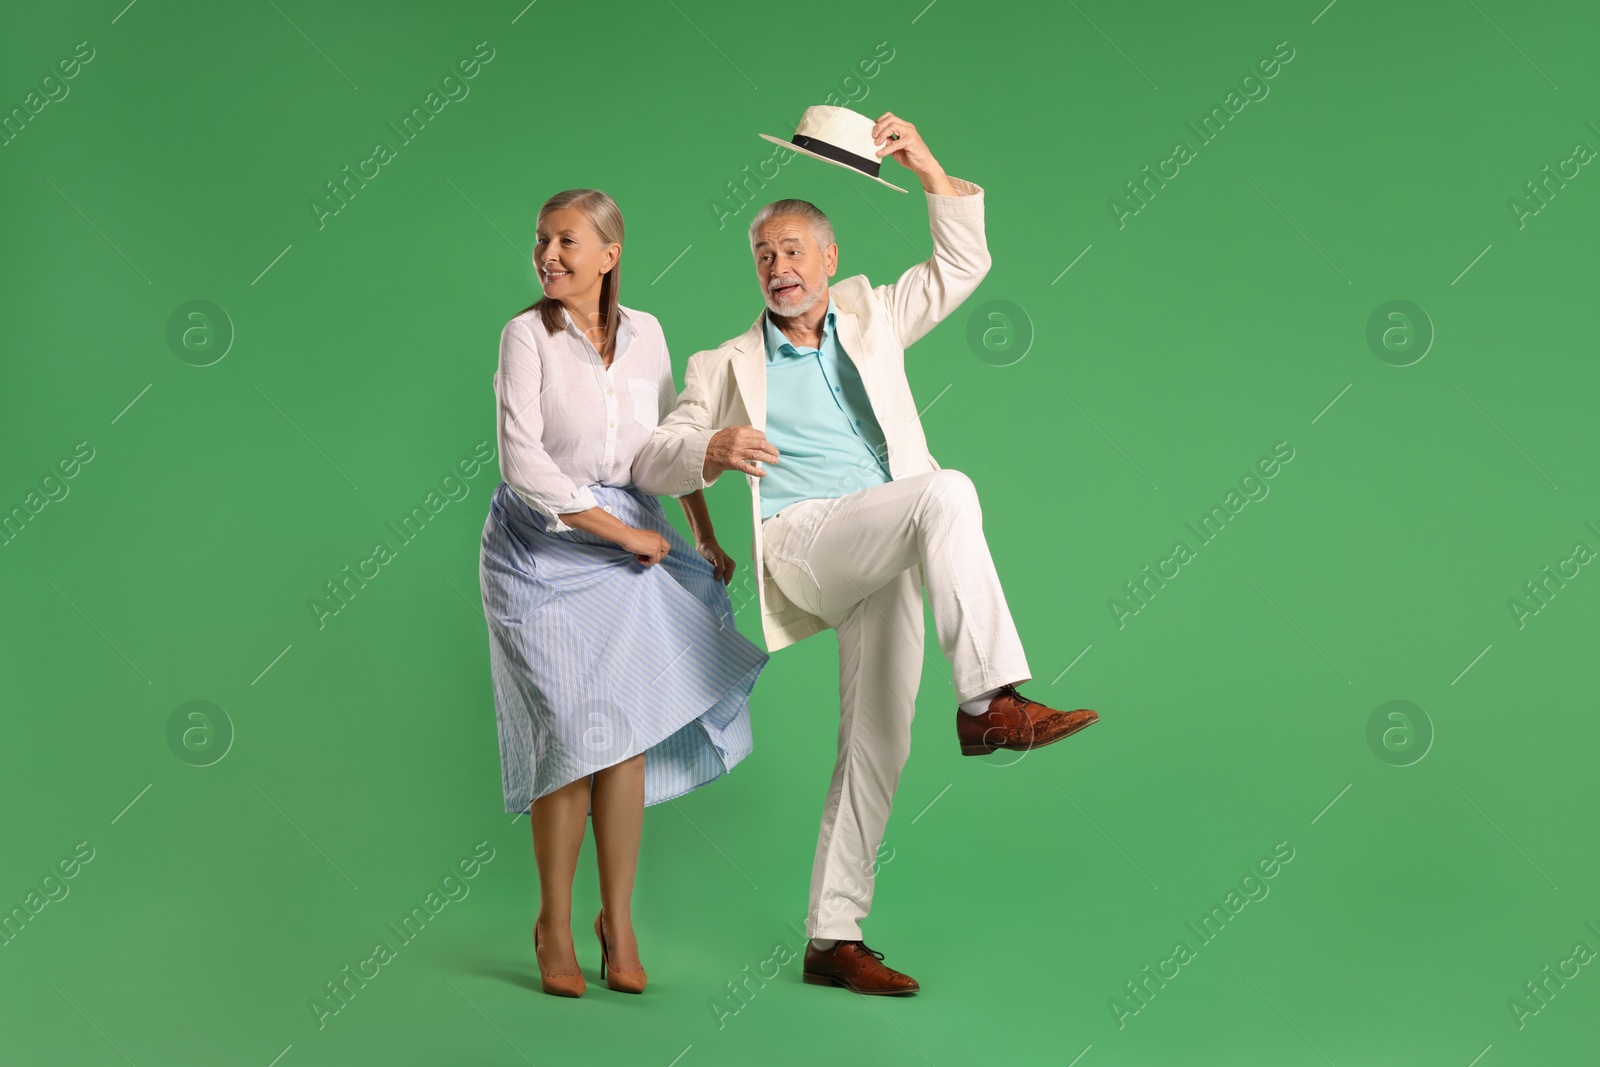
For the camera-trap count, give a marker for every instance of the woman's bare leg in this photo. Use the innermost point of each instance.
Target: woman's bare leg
(558, 820)
(618, 804)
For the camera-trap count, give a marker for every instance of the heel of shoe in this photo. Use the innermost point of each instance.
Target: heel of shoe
(817, 979)
(600, 936)
(621, 981)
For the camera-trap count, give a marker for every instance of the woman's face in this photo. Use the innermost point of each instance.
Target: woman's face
(570, 256)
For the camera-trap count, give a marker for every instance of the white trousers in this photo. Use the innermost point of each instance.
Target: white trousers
(859, 563)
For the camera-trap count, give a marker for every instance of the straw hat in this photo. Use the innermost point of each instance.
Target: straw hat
(839, 136)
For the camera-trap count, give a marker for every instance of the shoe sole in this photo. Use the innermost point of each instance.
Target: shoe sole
(979, 748)
(623, 989)
(554, 992)
(820, 979)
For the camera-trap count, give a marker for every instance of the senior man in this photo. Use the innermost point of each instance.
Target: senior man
(852, 515)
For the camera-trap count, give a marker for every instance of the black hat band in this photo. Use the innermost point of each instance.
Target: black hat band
(837, 154)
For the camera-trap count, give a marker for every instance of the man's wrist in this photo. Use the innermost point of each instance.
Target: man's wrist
(707, 468)
(937, 182)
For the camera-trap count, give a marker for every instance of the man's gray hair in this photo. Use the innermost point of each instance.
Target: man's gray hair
(821, 228)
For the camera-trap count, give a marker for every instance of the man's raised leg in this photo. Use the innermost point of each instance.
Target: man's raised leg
(831, 553)
(827, 554)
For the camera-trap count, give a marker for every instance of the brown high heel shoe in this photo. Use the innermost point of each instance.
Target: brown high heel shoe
(570, 984)
(629, 981)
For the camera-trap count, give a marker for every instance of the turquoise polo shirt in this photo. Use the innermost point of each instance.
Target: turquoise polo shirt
(828, 440)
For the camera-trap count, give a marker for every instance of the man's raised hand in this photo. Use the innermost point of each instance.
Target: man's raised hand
(899, 139)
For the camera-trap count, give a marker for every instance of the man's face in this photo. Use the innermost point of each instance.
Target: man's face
(792, 270)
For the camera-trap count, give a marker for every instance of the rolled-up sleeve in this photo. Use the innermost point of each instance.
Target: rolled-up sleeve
(672, 461)
(525, 466)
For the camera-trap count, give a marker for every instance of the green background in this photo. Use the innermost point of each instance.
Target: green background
(1229, 314)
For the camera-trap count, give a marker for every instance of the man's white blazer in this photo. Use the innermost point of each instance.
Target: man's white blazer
(727, 385)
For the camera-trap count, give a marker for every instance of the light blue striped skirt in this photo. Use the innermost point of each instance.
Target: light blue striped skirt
(596, 657)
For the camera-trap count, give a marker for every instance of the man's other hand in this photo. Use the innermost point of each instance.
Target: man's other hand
(738, 448)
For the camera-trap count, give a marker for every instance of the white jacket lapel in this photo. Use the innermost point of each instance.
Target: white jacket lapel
(750, 371)
(850, 340)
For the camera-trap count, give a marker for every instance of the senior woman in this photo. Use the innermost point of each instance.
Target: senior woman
(619, 678)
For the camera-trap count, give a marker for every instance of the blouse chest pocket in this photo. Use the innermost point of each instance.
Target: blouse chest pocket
(646, 400)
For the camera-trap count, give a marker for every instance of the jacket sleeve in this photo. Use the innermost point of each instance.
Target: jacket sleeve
(525, 466)
(672, 460)
(932, 289)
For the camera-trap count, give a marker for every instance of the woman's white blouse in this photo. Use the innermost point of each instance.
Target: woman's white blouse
(566, 421)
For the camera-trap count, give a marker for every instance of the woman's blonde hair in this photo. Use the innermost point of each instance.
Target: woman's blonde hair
(605, 217)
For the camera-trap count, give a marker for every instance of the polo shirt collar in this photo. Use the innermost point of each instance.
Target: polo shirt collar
(780, 347)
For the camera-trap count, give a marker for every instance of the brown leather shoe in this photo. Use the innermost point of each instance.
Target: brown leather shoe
(856, 967)
(1017, 723)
